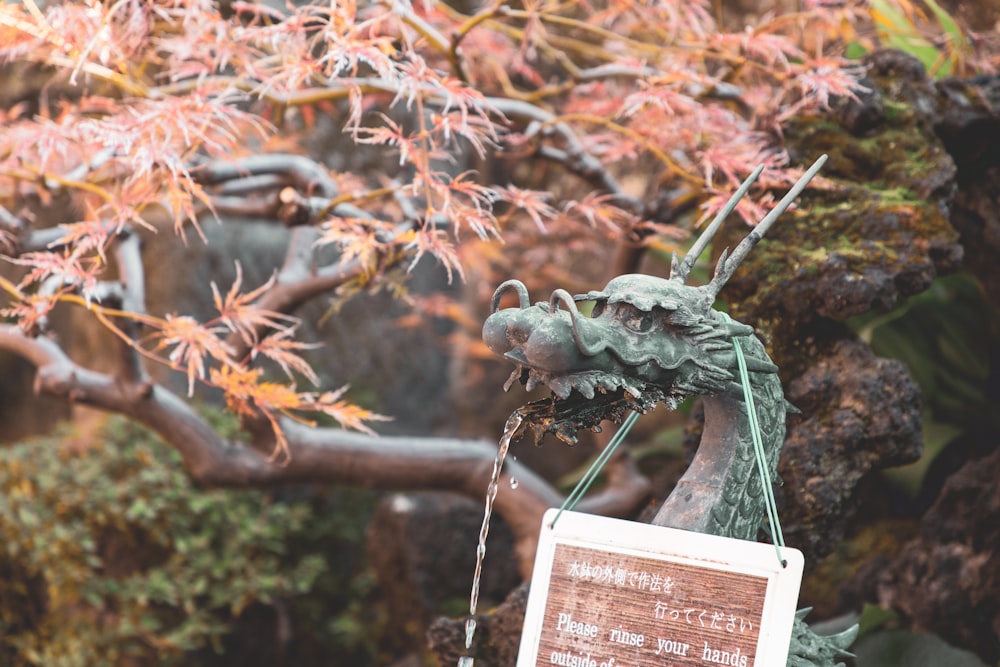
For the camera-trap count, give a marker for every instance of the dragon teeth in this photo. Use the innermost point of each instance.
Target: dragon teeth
(632, 389)
(585, 387)
(561, 387)
(513, 378)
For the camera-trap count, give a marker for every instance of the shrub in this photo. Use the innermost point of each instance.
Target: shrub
(111, 555)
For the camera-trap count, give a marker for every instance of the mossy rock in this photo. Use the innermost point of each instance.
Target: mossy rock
(874, 230)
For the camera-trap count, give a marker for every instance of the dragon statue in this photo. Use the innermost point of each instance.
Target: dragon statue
(649, 340)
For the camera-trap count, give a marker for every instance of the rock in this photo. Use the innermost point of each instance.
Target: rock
(422, 547)
(498, 634)
(969, 126)
(856, 414)
(859, 414)
(977, 218)
(947, 580)
(877, 231)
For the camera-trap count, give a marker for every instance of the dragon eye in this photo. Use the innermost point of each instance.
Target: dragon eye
(634, 319)
(598, 308)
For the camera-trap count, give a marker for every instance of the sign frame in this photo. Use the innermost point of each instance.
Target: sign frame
(675, 548)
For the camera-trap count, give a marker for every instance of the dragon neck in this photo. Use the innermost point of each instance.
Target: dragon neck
(720, 493)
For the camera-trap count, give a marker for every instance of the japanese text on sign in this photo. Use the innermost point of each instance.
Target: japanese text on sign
(622, 605)
(608, 608)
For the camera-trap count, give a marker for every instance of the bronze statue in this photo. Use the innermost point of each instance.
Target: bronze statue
(649, 340)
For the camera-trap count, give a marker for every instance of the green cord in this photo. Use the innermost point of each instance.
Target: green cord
(762, 468)
(595, 468)
(758, 446)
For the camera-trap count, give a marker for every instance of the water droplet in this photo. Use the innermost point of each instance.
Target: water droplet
(514, 483)
(465, 661)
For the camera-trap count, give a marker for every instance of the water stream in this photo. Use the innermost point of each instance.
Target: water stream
(513, 423)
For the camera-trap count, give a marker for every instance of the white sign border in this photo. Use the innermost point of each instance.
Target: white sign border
(672, 545)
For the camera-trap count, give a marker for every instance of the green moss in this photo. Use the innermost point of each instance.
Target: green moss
(872, 231)
(824, 585)
(896, 111)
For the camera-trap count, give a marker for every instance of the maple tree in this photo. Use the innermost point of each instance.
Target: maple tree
(595, 123)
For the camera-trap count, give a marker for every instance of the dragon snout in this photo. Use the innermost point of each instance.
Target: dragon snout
(508, 329)
(551, 336)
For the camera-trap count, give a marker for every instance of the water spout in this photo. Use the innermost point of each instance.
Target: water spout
(513, 423)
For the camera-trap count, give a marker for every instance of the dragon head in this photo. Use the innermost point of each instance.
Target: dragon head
(646, 340)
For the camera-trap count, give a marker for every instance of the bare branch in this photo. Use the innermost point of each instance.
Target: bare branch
(574, 156)
(245, 207)
(35, 240)
(128, 257)
(80, 172)
(299, 280)
(306, 171)
(132, 277)
(590, 169)
(626, 489)
(318, 455)
(10, 221)
(252, 185)
(12, 231)
(305, 174)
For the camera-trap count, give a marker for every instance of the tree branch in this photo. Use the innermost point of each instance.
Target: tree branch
(573, 156)
(132, 278)
(304, 174)
(318, 455)
(625, 489)
(298, 280)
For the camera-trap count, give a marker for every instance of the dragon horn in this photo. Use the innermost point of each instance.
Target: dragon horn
(843, 640)
(681, 270)
(727, 267)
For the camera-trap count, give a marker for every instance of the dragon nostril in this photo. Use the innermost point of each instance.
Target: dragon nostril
(507, 329)
(518, 333)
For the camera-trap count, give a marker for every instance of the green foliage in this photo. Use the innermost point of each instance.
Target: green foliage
(896, 23)
(900, 648)
(112, 556)
(873, 618)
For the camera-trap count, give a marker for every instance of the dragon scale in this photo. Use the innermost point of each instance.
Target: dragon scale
(723, 476)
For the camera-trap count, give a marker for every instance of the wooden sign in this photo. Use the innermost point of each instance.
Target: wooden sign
(612, 593)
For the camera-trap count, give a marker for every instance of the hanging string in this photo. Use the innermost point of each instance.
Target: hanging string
(596, 467)
(763, 469)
